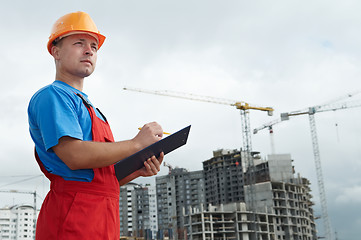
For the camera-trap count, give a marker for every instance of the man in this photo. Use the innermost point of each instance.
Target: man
(74, 146)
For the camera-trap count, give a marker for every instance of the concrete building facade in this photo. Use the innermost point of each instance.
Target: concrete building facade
(127, 199)
(287, 196)
(224, 177)
(18, 222)
(178, 190)
(228, 221)
(138, 211)
(145, 223)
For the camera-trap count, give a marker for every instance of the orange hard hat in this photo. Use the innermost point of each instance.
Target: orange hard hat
(77, 22)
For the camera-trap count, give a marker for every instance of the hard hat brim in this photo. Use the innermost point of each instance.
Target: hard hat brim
(100, 38)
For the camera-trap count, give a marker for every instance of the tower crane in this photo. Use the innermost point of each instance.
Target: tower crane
(23, 192)
(246, 131)
(270, 128)
(270, 124)
(311, 111)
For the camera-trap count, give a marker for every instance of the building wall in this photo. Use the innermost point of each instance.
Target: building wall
(165, 186)
(5, 221)
(126, 214)
(280, 167)
(145, 216)
(17, 222)
(223, 177)
(138, 211)
(228, 221)
(287, 197)
(177, 191)
(153, 211)
(141, 215)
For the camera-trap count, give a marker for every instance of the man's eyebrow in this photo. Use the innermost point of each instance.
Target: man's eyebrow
(83, 40)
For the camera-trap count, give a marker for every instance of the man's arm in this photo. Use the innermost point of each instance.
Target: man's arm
(78, 154)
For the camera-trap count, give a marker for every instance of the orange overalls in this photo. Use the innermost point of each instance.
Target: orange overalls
(82, 210)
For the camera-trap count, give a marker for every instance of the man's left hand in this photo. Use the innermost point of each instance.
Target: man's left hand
(151, 166)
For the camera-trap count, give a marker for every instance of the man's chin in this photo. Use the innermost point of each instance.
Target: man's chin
(86, 74)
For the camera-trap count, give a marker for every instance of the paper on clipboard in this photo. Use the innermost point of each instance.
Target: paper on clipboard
(136, 161)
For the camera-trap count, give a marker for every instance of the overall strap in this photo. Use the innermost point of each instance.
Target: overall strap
(88, 105)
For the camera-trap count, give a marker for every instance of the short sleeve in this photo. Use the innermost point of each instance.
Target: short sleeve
(56, 116)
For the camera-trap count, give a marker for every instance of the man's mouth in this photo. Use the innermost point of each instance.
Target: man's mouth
(87, 61)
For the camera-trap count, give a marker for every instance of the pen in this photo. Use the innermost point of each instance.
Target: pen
(163, 132)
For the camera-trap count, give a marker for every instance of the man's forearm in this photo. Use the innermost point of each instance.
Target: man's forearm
(78, 154)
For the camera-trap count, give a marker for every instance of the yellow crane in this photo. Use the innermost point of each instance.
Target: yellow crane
(246, 130)
(243, 106)
(190, 96)
(333, 105)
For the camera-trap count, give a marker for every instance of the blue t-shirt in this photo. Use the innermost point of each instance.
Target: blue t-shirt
(56, 111)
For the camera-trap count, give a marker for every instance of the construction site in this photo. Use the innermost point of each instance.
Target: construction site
(237, 195)
(271, 90)
(252, 170)
(213, 203)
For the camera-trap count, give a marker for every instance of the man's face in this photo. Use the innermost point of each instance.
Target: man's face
(77, 55)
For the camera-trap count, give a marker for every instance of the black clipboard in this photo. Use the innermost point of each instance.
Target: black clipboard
(136, 161)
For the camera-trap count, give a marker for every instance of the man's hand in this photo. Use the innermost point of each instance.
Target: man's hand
(149, 134)
(151, 166)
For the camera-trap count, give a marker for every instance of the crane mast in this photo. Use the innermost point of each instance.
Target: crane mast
(319, 175)
(250, 173)
(311, 111)
(246, 132)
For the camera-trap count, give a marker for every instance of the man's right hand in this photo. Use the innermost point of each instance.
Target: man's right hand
(148, 134)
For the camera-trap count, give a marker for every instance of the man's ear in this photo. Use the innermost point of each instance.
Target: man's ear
(55, 52)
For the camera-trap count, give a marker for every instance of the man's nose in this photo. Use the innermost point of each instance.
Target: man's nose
(88, 50)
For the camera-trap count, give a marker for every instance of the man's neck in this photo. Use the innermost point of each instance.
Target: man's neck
(75, 82)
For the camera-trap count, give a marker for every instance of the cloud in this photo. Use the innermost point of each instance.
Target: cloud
(349, 195)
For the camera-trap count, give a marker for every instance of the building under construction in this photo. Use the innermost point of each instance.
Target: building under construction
(223, 177)
(281, 207)
(214, 203)
(137, 210)
(229, 221)
(178, 190)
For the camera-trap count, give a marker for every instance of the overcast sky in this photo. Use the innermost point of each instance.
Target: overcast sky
(285, 54)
